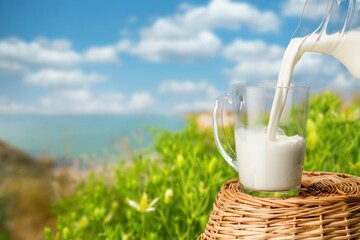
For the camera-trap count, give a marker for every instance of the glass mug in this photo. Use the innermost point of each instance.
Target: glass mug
(266, 167)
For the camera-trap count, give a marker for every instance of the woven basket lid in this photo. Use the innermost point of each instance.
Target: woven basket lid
(327, 207)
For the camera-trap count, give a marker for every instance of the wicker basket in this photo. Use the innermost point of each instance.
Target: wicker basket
(327, 207)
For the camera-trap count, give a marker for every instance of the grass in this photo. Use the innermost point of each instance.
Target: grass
(333, 136)
(182, 176)
(168, 193)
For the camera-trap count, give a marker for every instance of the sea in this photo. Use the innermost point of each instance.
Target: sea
(100, 137)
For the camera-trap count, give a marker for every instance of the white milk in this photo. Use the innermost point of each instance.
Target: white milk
(345, 48)
(272, 162)
(269, 165)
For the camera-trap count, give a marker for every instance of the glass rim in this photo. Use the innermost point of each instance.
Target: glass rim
(269, 86)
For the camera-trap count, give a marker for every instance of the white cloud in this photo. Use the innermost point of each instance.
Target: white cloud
(188, 87)
(315, 63)
(55, 78)
(256, 60)
(255, 71)
(188, 34)
(124, 45)
(293, 7)
(139, 101)
(18, 56)
(217, 14)
(232, 15)
(196, 106)
(186, 6)
(8, 106)
(67, 97)
(314, 9)
(316, 70)
(188, 96)
(11, 67)
(325, 73)
(184, 36)
(344, 84)
(84, 101)
(40, 52)
(106, 54)
(201, 45)
(241, 50)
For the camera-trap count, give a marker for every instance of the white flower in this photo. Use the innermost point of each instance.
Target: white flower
(143, 205)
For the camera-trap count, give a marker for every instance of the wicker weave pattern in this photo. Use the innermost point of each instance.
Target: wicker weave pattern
(327, 207)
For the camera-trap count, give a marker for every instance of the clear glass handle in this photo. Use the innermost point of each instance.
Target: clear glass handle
(218, 118)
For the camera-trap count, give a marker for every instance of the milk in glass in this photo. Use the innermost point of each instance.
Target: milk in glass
(273, 162)
(269, 165)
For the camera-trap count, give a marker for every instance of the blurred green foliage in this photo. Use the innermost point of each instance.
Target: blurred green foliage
(168, 193)
(333, 136)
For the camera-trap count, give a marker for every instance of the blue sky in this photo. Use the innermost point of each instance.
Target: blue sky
(160, 57)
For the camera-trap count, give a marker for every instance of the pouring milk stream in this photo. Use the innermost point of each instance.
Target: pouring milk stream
(344, 46)
(269, 161)
(283, 155)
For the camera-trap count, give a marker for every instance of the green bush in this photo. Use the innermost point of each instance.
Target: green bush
(181, 178)
(168, 193)
(333, 136)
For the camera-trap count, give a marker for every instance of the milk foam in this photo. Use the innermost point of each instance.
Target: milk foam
(269, 165)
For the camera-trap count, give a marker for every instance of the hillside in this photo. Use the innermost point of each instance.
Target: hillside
(25, 193)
